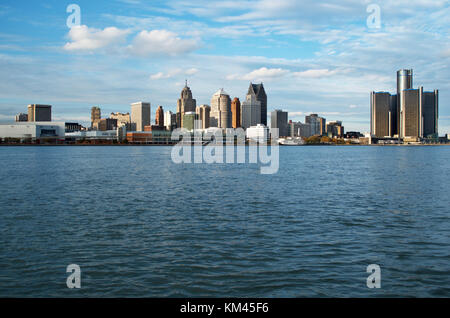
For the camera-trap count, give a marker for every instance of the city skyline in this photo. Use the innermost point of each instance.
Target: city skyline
(308, 64)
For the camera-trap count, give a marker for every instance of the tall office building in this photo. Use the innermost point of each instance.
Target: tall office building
(159, 120)
(220, 110)
(279, 120)
(404, 81)
(411, 114)
(382, 112)
(258, 92)
(185, 104)
(419, 115)
(96, 115)
(169, 124)
(430, 111)
(250, 112)
(140, 115)
(298, 129)
(39, 113)
(236, 113)
(204, 115)
(335, 129)
(317, 124)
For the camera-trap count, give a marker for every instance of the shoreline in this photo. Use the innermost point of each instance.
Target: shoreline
(152, 145)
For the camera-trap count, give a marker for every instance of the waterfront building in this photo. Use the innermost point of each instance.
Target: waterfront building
(250, 112)
(34, 131)
(258, 133)
(382, 114)
(185, 104)
(236, 113)
(140, 115)
(96, 115)
(92, 135)
(220, 110)
(139, 137)
(317, 125)
(430, 113)
(258, 92)
(411, 114)
(404, 81)
(21, 117)
(39, 113)
(72, 127)
(419, 114)
(335, 129)
(204, 115)
(279, 120)
(159, 120)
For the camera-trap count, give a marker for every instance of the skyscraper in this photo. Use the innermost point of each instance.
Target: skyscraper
(404, 81)
(382, 118)
(317, 124)
(430, 113)
(140, 115)
(96, 115)
(257, 90)
(204, 115)
(250, 112)
(279, 120)
(221, 110)
(236, 113)
(411, 114)
(37, 113)
(159, 120)
(185, 104)
(168, 123)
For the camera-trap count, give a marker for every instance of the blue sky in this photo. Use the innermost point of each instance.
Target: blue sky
(313, 56)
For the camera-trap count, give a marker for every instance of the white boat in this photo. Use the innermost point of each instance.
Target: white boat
(297, 141)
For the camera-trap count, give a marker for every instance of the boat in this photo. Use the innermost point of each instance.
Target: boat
(289, 141)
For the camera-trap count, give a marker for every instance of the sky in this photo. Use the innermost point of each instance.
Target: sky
(321, 57)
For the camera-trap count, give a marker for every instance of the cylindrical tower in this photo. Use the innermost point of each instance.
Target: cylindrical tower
(404, 81)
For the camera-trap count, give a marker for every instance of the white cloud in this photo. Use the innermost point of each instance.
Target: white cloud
(260, 74)
(315, 73)
(161, 42)
(89, 39)
(173, 73)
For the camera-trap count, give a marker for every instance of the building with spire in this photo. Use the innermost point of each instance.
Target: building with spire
(221, 110)
(185, 104)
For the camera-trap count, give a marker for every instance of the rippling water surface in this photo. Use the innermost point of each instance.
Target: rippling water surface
(139, 225)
